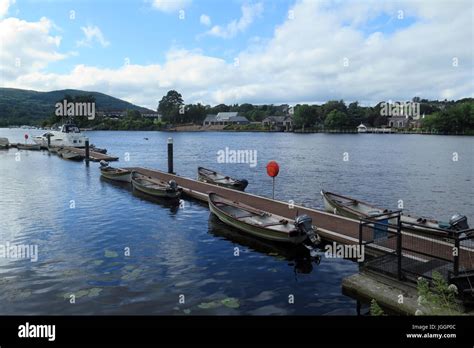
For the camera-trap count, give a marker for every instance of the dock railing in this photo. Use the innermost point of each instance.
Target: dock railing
(407, 251)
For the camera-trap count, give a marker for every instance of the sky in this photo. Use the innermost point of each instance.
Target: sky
(239, 51)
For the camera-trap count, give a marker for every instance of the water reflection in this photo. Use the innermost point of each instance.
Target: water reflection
(297, 255)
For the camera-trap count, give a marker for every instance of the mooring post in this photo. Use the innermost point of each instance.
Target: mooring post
(170, 155)
(49, 140)
(87, 149)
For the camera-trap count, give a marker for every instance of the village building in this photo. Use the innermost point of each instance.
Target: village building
(278, 123)
(225, 118)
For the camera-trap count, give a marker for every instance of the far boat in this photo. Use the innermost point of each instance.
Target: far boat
(34, 147)
(4, 143)
(116, 174)
(263, 224)
(68, 135)
(356, 209)
(155, 187)
(211, 177)
(70, 155)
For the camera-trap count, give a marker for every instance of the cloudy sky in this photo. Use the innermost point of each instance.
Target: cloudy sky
(262, 51)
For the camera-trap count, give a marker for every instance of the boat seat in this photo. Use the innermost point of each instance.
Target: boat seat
(281, 222)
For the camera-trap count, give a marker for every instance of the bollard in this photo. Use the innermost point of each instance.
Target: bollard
(170, 155)
(87, 149)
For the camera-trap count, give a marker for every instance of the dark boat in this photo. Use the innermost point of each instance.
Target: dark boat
(155, 187)
(211, 177)
(262, 224)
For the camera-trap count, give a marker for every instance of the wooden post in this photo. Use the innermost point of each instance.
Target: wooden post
(49, 140)
(170, 155)
(87, 150)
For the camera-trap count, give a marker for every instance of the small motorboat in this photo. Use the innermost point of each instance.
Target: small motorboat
(211, 177)
(4, 143)
(70, 155)
(117, 174)
(263, 224)
(155, 187)
(35, 147)
(98, 149)
(355, 209)
(54, 149)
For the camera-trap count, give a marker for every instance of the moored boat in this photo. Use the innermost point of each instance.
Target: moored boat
(70, 155)
(4, 143)
(68, 135)
(262, 224)
(54, 149)
(34, 147)
(117, 174)
(356, 209)
(212, 177)
(155, 187)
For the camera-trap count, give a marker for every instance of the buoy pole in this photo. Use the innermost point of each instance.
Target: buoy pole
(273, 188)
(170, 155)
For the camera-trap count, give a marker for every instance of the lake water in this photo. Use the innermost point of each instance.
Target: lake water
(82, 224)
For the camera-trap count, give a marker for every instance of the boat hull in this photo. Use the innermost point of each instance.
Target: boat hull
(71, 156)
(156, 192)
(34, 147)
(255, 230)
(332, 206)
(210, 177)
(117, 176)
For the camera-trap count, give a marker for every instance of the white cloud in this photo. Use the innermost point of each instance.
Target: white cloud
(170, 6)
(26, 47)
(92, 34)
(303, 61)
(205, 20)
(249, 13)
(4, 6)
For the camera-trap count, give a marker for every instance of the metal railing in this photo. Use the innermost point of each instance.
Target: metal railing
(407, 251)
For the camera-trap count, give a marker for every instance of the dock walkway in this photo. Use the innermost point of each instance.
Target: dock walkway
(332, 228)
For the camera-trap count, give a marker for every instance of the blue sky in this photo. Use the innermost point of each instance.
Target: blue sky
(235, 51)
(143, 34)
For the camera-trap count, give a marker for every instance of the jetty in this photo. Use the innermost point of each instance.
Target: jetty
(401, 253)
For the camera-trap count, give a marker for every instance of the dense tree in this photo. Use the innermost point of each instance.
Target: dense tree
(304, 116)
(337, 120)
(169, 106)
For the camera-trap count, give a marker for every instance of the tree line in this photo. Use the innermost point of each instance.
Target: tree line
(441, 116)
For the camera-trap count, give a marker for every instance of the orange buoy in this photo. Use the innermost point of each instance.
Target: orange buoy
(273, 169)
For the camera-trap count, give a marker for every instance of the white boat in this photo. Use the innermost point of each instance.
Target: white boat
(69, 135)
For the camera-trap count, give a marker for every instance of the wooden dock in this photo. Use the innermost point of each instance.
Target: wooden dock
(331, 228)
(93, 156)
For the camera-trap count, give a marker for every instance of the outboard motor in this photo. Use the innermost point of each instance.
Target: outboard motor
(243, 183)
(305, 224)
(458, 222)
(173, 185)
(104, 164)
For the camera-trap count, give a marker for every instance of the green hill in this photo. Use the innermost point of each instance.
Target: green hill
(19, 106)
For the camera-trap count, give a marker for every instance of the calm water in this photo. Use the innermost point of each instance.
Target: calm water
(83, 224)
